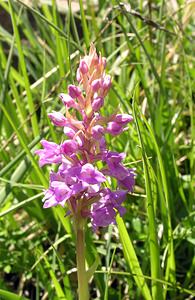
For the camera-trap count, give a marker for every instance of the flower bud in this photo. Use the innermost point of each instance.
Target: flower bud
(106, 84)
(123, 118)
(67, 100)
(114, 128)
(95, 60)
(97, 103)
(74, 91)
(69, 132)
(95, 85)
(97, 132)
(83, 67)
(57, 118)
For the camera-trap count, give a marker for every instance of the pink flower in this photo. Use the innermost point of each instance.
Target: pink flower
(69, 147)
(103, 212)
(90, 175)
(79, 181)
(51, 153)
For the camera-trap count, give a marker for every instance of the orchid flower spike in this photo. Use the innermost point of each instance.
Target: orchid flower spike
(78, 182)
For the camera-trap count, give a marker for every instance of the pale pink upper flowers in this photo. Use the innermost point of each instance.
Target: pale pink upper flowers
(81, 180)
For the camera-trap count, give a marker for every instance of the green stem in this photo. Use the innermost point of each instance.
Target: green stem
(80, 253)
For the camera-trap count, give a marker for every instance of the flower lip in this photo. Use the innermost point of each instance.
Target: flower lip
(103, 212)
(50, 154)
(90, 175)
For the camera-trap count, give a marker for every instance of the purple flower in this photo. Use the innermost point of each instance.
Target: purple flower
(51, 154)
(114, 157)
(61, 191)
(97, 132)
(69, 147)
(129, 181)
(49, 199)
(114, 128)
(90, 175)
(103, 212)
(85, 163)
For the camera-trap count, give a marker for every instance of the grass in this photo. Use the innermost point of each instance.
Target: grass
(149, 254)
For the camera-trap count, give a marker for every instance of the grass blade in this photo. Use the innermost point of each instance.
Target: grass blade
(157, 291)
(24, 72)
(132, 259)
(84, 25)
(5, 295)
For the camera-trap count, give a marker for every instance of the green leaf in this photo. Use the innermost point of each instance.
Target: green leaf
(5, 295)
(132, 260)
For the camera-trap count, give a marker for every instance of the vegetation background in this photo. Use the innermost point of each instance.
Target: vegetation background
(150, 49)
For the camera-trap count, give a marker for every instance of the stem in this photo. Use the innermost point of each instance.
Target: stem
(83, 291)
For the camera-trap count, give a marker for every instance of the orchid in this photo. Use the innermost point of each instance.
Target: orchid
(79, 182)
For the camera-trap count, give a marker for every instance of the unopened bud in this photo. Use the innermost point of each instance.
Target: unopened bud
(97, 103)
(57, 118)
(95, 85)
(123, 118)
(74, 91)
(67, 100)
(83, 67)
(97, 132)
(106, 84)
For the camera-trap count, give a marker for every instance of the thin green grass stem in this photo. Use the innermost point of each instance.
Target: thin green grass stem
(170, 271)
(34, 121)
(34, 11)
(84, 24)
(157, 291)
